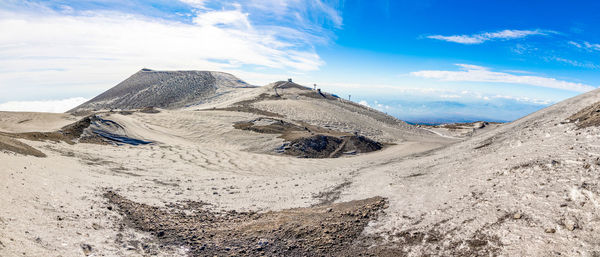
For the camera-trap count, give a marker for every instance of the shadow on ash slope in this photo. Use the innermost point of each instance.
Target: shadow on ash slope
(91, 129)
(311, 141)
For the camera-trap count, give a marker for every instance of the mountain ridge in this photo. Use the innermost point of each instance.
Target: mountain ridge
(163, 89)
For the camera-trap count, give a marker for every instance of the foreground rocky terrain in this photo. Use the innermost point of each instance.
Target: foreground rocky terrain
(221, 175)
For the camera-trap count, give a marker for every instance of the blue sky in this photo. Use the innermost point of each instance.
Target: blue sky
(420, 60)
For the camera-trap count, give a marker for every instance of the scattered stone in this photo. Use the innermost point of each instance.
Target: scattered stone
(570, 225)
(550, 230)
(517, 216)
(87, 249)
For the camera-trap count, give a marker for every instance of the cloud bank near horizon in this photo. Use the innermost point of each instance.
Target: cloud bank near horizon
(55, 106)
(474, 73)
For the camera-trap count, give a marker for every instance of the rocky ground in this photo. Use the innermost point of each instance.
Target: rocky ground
(331, 229)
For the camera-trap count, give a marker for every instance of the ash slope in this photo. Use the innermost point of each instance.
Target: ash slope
(527, 188)
(293, 103)
(301, 105)
(494, 194)
(163, 89)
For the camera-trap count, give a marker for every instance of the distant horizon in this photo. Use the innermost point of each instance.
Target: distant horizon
(494, 60)
(63, 105)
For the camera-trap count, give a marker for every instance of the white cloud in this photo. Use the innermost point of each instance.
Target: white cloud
(222, 35)
(487, 36)
(586, 45)
(302, 11)
(195, 3)
(575, 44)
(51, 51)
(333, 14)
(57, 106)
(519, 71)
(587, 65)
(442, 93)
(450, 96)
(525, 99)
(389, 88)
(472, 73)
(471, 66)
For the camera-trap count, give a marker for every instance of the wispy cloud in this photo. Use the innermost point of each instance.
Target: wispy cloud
(57, 106)
(200, 4)
(488, 36)
(585, 45)
(301, 11)
(473, 73)
(587, 65)
(524, 49)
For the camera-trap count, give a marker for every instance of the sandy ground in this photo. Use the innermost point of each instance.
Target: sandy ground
(527, 188)
(461, 130)
(56, 203)
(34, 122)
